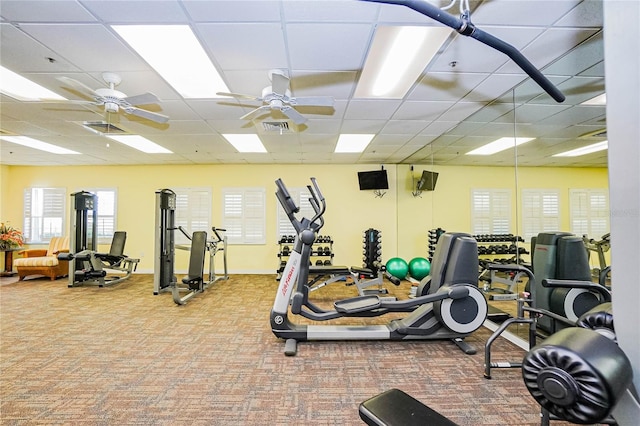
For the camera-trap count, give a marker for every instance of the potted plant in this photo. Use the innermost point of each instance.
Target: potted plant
(10, 238)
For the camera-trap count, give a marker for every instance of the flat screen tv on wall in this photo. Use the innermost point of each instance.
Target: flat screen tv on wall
(427, 181)
(375, 179)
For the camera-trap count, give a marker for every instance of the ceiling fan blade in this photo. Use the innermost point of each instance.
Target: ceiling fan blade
(239, 96)
(64, 101)
(78, 86)
(294, 115)
(256, 112)
(143, 99)
(154, 116)
(279, 83)
(326, 101)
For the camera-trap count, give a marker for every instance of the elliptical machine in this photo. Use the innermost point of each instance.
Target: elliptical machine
(451, 308)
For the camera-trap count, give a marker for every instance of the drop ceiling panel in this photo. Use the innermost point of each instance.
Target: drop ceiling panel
(233, 10)
(438, 127)
(460, 111)
(335, 47)
(339, 84)
(538, 52)
(137, 12)
(494, 86)
(576, 114)
(23, 54)
(44, 11)
(377, 109)
(421, 110)
(445, 86)
(580, 89)
(338, 11)
(509, 12)
(586, 14)
(583, 57)
(94, 47)
(252, 46)
(470, 55)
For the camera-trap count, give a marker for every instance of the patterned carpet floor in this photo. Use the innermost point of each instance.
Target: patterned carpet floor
(121, 356)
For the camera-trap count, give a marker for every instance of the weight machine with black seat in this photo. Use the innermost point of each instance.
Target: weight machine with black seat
(560, 291)
(578, 374)
(451, 307)
(164, 278)
(86, 265)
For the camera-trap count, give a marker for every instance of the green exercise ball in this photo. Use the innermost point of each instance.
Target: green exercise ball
(419, 267)
(397, 267)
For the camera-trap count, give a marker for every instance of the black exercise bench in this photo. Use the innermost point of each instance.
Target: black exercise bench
(396, 408)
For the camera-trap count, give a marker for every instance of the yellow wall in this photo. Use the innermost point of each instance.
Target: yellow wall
(403, 219)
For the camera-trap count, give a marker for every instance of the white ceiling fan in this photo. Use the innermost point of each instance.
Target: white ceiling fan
(114, 100)
(278, 97)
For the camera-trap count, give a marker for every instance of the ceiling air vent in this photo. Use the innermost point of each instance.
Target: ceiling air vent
(597, 134)
(102, 127)
(276, 126)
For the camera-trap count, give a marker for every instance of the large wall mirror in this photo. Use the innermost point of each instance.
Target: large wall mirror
(556, 186)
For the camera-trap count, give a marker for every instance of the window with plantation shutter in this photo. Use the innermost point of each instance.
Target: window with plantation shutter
(301, 197)
(244, 215)
(490, 211)
(44, 214)
(589, 212)
(193, 211)
(540, 212)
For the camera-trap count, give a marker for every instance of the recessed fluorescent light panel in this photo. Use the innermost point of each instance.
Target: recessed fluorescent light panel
(22, 89)
(353, 143)
(598, 100)
(177, 55)
(499, 145)
(600, 146)
(36, 144)
(140, 143)
(245, 142)
(398, 56)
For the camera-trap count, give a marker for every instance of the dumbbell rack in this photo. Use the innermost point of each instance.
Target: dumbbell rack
(322, 251)
(505, 246)
(434, 236)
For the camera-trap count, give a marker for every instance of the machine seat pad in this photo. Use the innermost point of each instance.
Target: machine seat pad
(363, 271)
(110, 259)
(394, 408)
(328, 270)
(191, 280)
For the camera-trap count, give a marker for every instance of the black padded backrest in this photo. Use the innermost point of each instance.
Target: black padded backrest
(463, 264)
(196, 255)
(440, 258)
(572, 260)
(544, 257)
(443, 259)
(533, 251)
(117, 243)
(544, 264)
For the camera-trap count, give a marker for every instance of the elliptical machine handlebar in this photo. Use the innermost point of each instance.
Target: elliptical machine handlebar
(316, 200)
